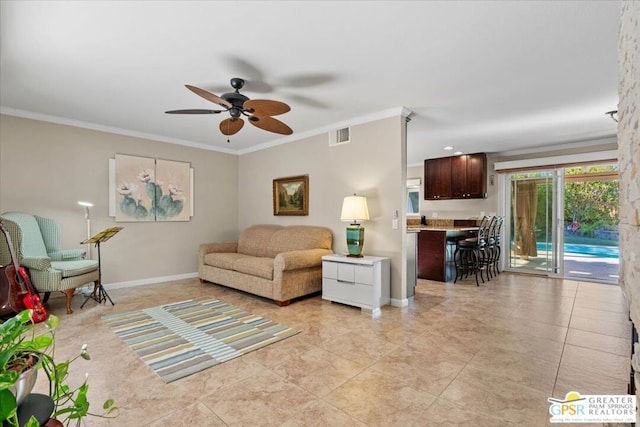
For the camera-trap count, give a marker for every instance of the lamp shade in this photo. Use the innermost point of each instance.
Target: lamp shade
(354, 209)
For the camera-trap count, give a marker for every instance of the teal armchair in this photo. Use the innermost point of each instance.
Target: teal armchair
(37, 245)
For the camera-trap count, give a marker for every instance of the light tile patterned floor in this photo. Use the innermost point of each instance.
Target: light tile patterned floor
(457, 355)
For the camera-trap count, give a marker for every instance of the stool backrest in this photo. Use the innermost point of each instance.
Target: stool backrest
(498, 228)
(483, 230)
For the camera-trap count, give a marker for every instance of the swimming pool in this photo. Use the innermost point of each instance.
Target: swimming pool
(592, 250)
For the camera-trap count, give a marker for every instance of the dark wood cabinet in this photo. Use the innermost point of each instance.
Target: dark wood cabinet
(432, 255)
(435, 256)
(437, 179)
(469, 176)
(457, 177)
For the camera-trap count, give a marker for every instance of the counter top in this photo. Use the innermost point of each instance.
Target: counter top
(432, 228)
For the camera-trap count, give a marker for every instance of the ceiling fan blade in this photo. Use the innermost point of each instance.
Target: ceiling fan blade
(209, 96)
(194, 111)
(270, 124)
(231, 125)
(307, 80)
(266, 107)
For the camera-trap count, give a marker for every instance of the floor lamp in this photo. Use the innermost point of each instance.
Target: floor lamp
(87, 217)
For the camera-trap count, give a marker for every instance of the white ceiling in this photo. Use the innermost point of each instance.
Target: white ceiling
(480, 76)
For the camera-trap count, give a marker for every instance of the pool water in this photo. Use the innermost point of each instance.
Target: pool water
(580, 249)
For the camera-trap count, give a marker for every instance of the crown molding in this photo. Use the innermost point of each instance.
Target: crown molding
(110, 129)
(392, 112)
(385, 114)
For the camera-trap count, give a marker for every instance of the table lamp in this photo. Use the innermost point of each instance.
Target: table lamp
(354, 209)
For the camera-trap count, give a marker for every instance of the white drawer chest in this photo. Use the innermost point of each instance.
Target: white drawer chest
(362, 282)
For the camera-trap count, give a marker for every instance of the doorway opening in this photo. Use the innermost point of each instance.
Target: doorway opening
(564, 222)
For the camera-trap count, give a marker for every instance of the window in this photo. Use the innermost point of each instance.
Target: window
(413, 196)
(413, 201)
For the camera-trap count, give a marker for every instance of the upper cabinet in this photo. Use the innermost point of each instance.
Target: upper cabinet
(457, 177)
(437, 179)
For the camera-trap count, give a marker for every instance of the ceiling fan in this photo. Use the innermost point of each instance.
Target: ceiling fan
(259, 112)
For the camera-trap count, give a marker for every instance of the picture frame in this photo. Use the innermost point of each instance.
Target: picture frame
(143, 189)
(291, 195)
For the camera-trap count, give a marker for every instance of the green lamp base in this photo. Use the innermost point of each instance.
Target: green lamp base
(355, 240)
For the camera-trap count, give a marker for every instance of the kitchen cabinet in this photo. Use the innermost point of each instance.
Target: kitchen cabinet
(469, 176)
(457, 177)
(437, 178)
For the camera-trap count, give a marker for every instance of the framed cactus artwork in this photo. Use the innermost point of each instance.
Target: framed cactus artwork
(147, 189)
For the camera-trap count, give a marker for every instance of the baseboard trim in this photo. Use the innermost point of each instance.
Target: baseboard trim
(399, 302)
(149, 281)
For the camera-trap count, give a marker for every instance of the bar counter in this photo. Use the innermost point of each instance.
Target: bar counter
(435, 250)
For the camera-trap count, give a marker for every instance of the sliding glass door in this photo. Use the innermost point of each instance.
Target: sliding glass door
(563, 222)
(591, 223)
(535, 222)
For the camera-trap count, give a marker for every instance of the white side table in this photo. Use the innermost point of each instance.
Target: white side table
(361, 282)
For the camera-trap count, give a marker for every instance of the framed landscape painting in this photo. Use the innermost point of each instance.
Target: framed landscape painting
(291, 195)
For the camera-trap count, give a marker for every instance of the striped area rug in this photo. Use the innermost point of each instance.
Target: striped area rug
(180, 339)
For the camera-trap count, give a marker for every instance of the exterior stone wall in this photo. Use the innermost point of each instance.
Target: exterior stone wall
(629, 162)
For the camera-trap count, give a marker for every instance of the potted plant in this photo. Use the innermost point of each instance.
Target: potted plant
(22, 353)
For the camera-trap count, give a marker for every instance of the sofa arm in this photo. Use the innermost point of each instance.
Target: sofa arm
(207, 248)
(37, 263)
(294, 260)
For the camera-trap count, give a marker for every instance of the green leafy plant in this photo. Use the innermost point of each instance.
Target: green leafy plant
(20, 347)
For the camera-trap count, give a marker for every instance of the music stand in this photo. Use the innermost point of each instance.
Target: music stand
(99, 294)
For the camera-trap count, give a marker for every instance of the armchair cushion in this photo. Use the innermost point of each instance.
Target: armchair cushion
(74, 268)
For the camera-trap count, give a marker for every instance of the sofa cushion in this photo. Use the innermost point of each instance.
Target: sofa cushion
(223, 259)
(255, 266)
(299, 237)
(255, 240)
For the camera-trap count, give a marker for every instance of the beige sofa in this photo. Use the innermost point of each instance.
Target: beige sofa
(272, 261)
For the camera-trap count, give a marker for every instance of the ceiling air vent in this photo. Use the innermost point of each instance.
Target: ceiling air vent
(338, 137)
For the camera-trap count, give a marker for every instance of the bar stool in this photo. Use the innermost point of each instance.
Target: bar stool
(490, 249)
(497, 250)
(471, 254)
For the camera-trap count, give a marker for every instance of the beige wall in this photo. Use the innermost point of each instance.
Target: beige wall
(371, 165)
(46, 168)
